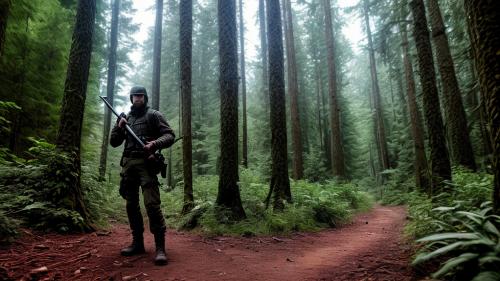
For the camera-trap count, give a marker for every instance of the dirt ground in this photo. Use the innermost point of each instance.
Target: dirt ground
(371, 248)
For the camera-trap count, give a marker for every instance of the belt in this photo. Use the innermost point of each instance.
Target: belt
(134, 154)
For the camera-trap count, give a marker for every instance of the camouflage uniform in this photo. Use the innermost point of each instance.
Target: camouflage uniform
(148, 125)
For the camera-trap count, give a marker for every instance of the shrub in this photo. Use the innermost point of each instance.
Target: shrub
(315, 206)
(468, 241)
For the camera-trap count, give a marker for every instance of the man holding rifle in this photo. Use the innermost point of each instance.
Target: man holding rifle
(139, 168)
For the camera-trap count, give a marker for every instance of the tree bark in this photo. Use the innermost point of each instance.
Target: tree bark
(110, 88)
(185, 47)
(337, 153)
(263, 47)
(377, 106)
(484, 28)
(456, 121)
(440, 163)
(420, 162)
(4, 14)
(75, 89)
(243, 88)
(229, 193)
(155, 87)
(280, 183)
(293, 89)
(478, 112)
(401, 94)
(319, 94)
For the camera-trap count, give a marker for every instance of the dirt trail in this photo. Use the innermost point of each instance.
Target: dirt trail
(371, 248)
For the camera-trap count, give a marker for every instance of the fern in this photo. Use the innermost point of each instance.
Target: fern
(470, 244)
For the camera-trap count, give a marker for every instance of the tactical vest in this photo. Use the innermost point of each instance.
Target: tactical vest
(144, 127)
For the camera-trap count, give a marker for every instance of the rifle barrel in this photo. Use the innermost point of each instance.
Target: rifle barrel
(127, 127)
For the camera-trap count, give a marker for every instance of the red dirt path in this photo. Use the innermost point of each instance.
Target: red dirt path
(371, 248)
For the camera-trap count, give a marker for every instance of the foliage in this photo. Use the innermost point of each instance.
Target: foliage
(463, 237)
(315, 168)
(315, 206)
(7, 228)
(101, 197)
(34, 193)
(33, 65)
(37, 197)
(6, 108)
(468, 240)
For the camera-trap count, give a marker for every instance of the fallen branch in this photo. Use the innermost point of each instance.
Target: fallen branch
(77, 258)
(132, 277)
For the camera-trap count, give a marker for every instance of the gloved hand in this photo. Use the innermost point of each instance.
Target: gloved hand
(122, 122)
(149, 147)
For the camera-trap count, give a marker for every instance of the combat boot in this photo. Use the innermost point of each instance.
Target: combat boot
(161, 256)
(136, 248)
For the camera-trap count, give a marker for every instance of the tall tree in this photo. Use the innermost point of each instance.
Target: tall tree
(440, 163)
(185, 47)
(456, 121)
(75, 89)
(376, 101)
(243, 86)
(293, 90)
(229, 193)
(280, 184)
(155, 88)
(337, 153)
(110, 87)
(263, 50)
(484, 28)
(4, 13)
(420, 163)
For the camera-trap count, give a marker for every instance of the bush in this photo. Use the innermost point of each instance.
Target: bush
(315, 206)
(468, 241)
(463, 235)
(34, 193)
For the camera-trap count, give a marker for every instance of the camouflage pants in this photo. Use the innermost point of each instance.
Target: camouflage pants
(136, 174)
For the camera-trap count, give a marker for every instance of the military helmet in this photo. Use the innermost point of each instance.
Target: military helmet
(139, 90)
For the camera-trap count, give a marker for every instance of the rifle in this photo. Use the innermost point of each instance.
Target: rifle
(159, 159)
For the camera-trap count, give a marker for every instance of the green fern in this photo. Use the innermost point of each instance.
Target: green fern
(472, 243)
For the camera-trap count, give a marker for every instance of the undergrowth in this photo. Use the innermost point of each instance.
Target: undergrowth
(33, 194)
(455, 231)
(315, 206)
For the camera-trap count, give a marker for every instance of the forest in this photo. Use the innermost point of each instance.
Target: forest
(307, 139)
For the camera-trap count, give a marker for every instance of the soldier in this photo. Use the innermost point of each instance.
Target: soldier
(151, 127)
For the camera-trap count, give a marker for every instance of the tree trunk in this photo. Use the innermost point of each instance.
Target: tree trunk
(337, 153)
(155, 87)
(110, 88)
(420, 163)
(456, 121)
(4, 14)
(280, 184)
(75, 89)
(243, 87)
(484, 28)
(440, 163)
(263, 47)
(319, 94)
(185, 47)
(379, 118)
(293, 88)
(478, 110)
(266, 137)
(401, 94)
(229, 193)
